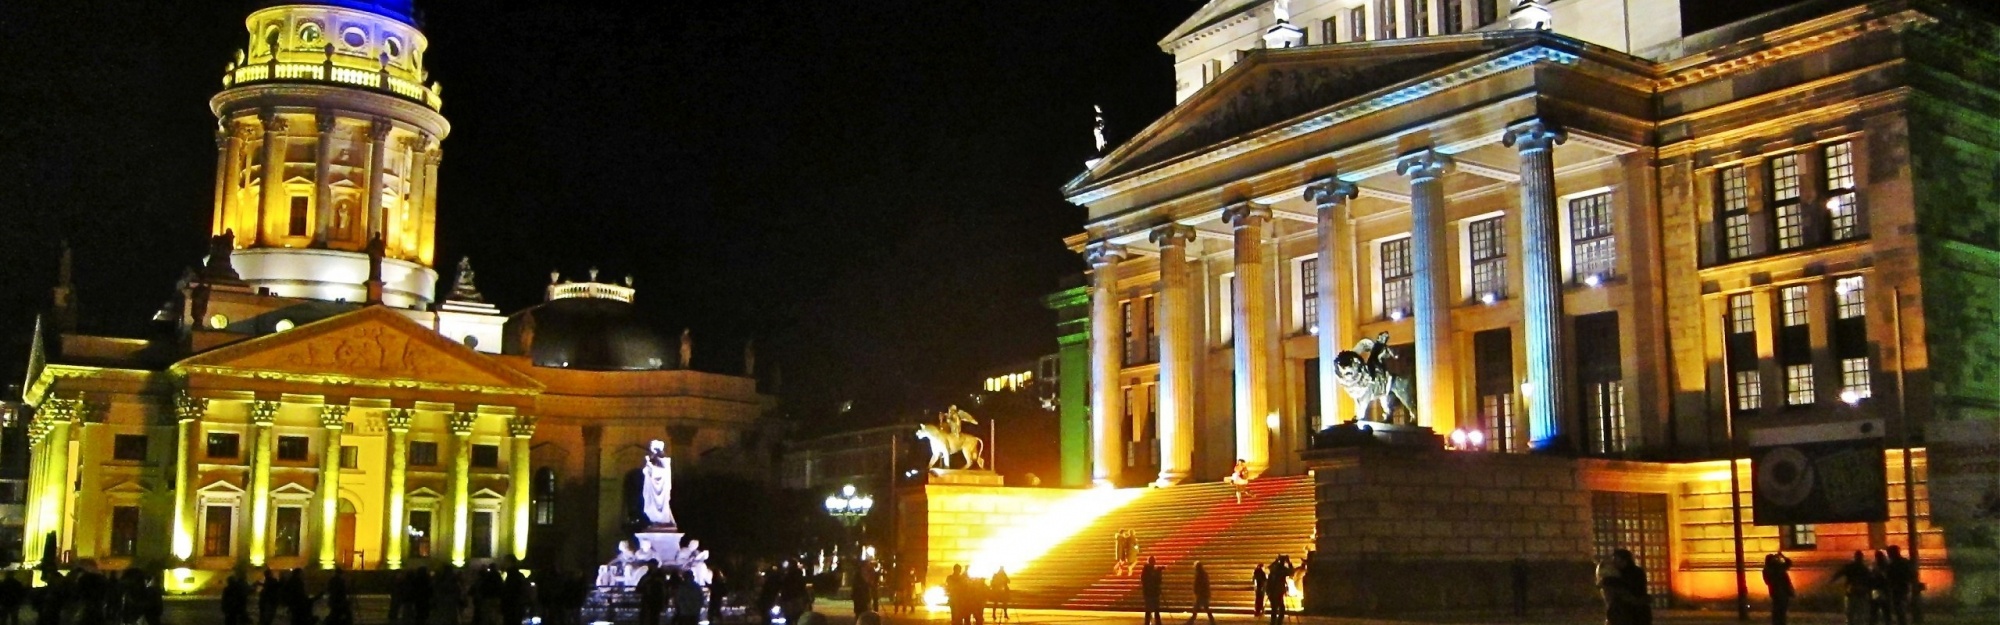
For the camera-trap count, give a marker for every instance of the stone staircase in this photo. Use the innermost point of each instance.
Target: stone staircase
(1179, 526)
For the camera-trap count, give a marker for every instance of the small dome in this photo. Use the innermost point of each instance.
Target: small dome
(590, 334)
(404, 11)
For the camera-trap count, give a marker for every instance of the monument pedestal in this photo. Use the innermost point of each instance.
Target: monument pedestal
(1369, 433)
(966, 477)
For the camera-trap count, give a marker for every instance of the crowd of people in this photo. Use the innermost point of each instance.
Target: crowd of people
(1877, 594)
(85, 597)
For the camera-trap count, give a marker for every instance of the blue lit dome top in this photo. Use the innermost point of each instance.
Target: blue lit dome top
(401, 10)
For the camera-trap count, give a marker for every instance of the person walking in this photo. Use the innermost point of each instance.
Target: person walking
(1150, 579)
(1778, 580)
(1901, 578)
(1859, 582)
(1878, 593)
(1257, 581)
(1201, 596)
(1276, 584)
(997, 591)
(718, 590)
(1239, 480)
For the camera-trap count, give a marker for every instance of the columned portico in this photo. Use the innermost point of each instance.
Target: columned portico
(1177, 354)
(333, 419)
(1328, 195)
(394, 526)
(1430, 294)
(461, 483)
(1106, 358)
(1252, 313)
(1541, 280)
(263, 414)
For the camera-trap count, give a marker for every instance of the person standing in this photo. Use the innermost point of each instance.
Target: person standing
(1257, 581)
(1201, 596)
(268, 593)
(1878, 593)
(235, 601)
(652, 594)
(339, 611)
(956, 594)
(1901, 579)
(862, 590)
(1275, 585)
(1778, 580)
(998, 589)
(718, 591)
(1859, 583)
(1150, 579)
(1632, 577)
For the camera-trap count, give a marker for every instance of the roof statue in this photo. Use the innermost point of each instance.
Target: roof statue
(1097, 129)
(1282, 9)
(462, 286)
(219, 248)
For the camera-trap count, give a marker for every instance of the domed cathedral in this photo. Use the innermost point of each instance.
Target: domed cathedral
(309, 397)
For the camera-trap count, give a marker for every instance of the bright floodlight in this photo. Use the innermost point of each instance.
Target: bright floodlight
(1592, 280)
(1477, 438)
(1458, 438)
(1849, 397)
(847, 491)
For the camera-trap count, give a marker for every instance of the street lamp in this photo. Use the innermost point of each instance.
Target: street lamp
(849, 507)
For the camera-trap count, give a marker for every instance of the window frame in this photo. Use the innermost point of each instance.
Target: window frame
(479, 449)
(302, 446)
(1394, 273)
(1786, 196)
(1593, 243)
(1733, 211)
(1486, 256)
(292, 546)
(208, 538)
(234, 445)
(413, 456)
(1357, 23)
(1799, 385)
(1308, 281)
(1843, 218)
(122, 445)
(123, 539)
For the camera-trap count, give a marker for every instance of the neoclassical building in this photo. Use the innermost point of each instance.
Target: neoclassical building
(310, 398)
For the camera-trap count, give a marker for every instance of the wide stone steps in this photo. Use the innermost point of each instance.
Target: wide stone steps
(1177, 526)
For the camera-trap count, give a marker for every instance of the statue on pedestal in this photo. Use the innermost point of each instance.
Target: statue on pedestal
(1364, 373)
(948, 439)
(658, 485)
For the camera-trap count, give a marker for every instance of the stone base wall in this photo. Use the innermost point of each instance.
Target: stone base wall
(1420, 530)
(948, 524)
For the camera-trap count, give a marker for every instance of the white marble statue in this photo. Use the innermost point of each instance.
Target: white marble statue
(1097, 128)
(658, 486)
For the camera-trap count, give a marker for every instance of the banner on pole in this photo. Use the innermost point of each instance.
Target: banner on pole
(1825, 473)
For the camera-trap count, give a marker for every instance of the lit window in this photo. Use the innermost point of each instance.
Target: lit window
(1385, 16)
(1736, 212)
(1152, 347)
(1396, 278)
(419, 533)
(1798, 538)
(1842, 214)
(1604, 416)
(1785, 177)
(1742, 314)
(1489, 259)
(1225, 299)
(1792, 305)
(1309, 294)
(1125, 326)
(1791, 226)
(1785, 199)
(1850, 297)
(1854, 379)
(1798, 385)
(290, 522)
(545, 496)
(1749, 390)
(1593, 251)
(1357, 24)
(1496, 416)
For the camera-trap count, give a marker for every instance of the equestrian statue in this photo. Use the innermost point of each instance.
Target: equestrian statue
(947, 440)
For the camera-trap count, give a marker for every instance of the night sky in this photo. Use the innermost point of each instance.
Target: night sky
(870, 189)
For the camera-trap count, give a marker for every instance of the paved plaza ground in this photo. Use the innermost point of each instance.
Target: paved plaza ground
(374, 610)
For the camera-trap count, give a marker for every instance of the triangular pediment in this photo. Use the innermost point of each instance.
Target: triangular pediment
(1271, 88)
(375, 344)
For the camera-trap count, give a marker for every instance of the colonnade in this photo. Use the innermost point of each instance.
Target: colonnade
(261, 221)
(1254, 298)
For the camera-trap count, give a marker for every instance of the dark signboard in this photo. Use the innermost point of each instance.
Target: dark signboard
(1807, 475)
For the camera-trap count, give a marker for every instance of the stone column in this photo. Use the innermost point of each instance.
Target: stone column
(225, 155)
(427, 209)
(1177, 354)
(1107, 356)
(56, 488)
(1329, 193)
(1253, 319)
(322, 182)
(188, 411)
(333, 419)
(273, 198)
(394, 526)
(1541, 281)
(378, 161)
(263, 414)
(1430, 293)
(520, 470)
(461, 481)
(31, 540)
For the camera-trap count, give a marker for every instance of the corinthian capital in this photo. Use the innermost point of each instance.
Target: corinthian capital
(324, 119)
(1328, 190)
(398, 419)
(263, 412)
(333, 416)
(378, 129)
(1533, 134)
(522, 425)
(1427, 163)
(188, 407)
(461, 422)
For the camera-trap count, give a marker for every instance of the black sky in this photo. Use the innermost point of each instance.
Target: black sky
(870, 188)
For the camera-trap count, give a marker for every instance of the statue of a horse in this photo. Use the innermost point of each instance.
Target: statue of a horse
(944, 444)
(1372, 386)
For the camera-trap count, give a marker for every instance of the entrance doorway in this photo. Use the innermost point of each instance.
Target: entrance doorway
(343, 535)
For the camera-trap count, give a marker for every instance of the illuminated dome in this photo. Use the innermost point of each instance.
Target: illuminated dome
(590, 326)
(404, 10)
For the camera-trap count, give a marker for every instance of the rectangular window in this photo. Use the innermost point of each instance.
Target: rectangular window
(223, 444)
(1749, 390)
(423, 453)
(1315, 412)
(1329, 31)
(486, 456)
(1489, 260)
(1309, 295)
(1417, 13)
(124, 531)
(1792, 306)
(1489, 11)
(216, 530)
(1798, 538)
(290, 523)
(293, 447)
(1385, 18)
(482, 534)
(1843, 218)
(1742, 314)
(1799, 385)
(299, 209)
(1784, 171)
(1357, 24)
(1396, 278)
(1850, 297)
(350, 457)
(1854, 379)
(1593, 251)
(1454, 17)
(419, 534)
(1226, 301)
(1735, 211)
(1152, 346)
(1601, 383)
(128, 447)
(1493, 370)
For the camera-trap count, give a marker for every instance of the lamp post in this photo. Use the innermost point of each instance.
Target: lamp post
(850, 508)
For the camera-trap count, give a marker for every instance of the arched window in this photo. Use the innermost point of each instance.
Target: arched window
(545, 496)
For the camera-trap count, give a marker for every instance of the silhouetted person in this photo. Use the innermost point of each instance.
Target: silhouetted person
(1277, 581)
(1519, 572)
(486, 591)
(687, 600)
(1201, 596)
(862, 590)
(652, 594)
(1778, 580)
(519, 596)
(1149, 585)
(339, 611)
(446, 596)
(236, 600)
(1901, 580)
(718, 590)
(1257, 581)
(1860, 581)
(152, 598)
(1638, 603)
(417, 596)
(299, 602)
(1001, 588)
(13, 593)
(957, 594)
(270, 593)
